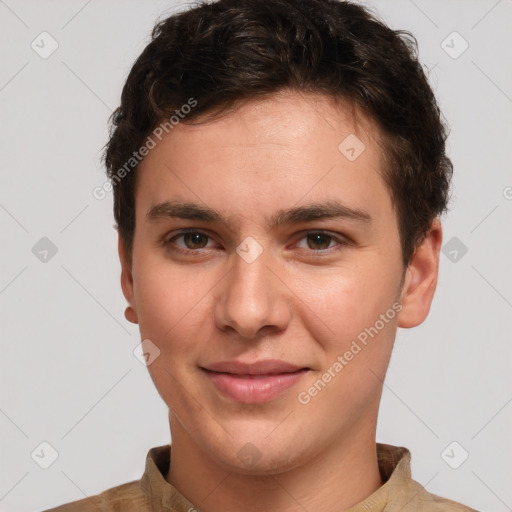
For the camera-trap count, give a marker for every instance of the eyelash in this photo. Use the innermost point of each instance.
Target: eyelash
(167, 242)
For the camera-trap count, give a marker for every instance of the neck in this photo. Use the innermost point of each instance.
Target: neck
(332, 480)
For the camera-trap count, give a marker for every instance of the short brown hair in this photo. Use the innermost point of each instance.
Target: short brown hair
(219, 53)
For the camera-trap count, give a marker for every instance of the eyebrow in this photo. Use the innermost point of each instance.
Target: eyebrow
(301, 214)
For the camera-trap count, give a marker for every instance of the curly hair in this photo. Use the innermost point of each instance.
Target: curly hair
(223, 52)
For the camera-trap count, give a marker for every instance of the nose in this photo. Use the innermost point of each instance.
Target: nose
(253, 298)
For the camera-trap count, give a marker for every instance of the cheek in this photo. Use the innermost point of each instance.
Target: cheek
(172, 315)
(168, 299)
(345, 319)
(339, 304)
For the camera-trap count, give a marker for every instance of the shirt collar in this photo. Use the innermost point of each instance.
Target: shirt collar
(394, 465)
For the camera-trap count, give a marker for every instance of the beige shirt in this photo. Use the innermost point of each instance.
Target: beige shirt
(400, 493)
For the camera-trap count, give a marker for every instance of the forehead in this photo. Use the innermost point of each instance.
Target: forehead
(278, 151)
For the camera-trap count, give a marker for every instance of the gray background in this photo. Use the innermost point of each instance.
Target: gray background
(69, 376)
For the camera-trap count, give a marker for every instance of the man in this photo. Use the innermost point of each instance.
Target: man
(279, 172)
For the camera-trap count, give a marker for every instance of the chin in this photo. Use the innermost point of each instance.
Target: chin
(260, 455)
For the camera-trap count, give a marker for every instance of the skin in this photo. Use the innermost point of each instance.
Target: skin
(292, 303)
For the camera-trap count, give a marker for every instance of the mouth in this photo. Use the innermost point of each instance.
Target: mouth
(254, 383)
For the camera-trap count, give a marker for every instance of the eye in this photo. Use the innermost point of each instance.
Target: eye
(319, 241)
(193, 241)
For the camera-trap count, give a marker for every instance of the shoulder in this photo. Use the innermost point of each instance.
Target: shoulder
(403, 493)
(427, 502)
(126, 498)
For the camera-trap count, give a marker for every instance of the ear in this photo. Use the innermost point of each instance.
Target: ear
(421, 279)
(126, 281)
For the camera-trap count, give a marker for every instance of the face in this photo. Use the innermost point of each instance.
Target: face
(258, 237)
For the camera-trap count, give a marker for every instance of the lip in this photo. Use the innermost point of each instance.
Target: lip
(254, 383)
(263, 367)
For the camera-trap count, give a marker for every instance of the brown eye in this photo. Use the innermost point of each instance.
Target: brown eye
(189, 242)
(318, 241)
(195, 240)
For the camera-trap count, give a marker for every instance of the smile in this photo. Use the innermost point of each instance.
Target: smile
(254, 389)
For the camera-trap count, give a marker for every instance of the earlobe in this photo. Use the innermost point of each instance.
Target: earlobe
(127, 281)
(130, 315)
(421, 279)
